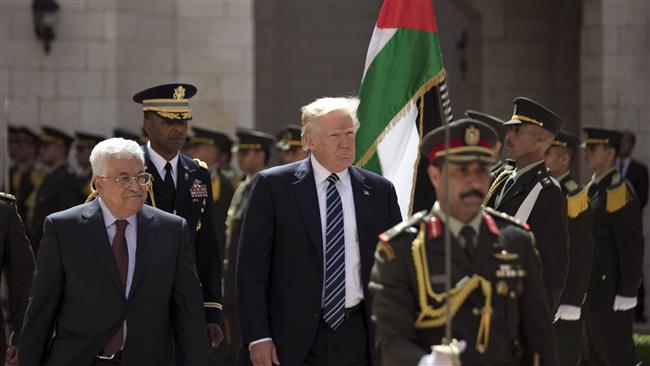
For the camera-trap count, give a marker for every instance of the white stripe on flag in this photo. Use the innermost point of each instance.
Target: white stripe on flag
(398, 152)
(380, 36)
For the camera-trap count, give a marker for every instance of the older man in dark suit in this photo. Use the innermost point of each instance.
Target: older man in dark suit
(115, 280)
(306, 249)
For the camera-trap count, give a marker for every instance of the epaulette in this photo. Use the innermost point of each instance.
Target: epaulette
(7, 197)
(504, 216)
(571, 185)
(201, 163)
(391, 233)
(545, 179)
(617, 194)
(577, 202)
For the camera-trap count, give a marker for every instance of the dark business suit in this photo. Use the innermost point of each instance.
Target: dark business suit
(18, 262)
(77, 293)
(280, 264)
(193, 202)
(547, 220)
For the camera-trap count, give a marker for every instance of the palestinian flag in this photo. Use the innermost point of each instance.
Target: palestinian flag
(402, 96)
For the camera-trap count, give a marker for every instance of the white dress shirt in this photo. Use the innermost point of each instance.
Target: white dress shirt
(159, 162)
(353, 286)
(131, 235)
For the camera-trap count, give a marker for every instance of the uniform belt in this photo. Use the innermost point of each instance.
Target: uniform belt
(114, 357)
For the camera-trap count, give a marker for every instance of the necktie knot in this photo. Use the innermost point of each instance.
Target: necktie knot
(121, 225)
(168, 167)
(333, 178)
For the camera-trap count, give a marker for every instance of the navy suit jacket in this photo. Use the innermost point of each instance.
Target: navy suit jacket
(77, 293)
(280, 262)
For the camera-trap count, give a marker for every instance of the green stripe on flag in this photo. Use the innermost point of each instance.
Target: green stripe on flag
(406, 68)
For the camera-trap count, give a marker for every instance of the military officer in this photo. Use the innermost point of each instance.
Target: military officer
(289, 145)
(207, 146)
(569, 318)
(527, 191)
(618, 253)
(253, 153)
(84, 143)
(60, 189)
(18, 261)
(498, 301)
(182, 186)
(25, 173)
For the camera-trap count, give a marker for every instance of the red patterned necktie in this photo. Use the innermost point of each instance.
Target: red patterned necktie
(121, 254)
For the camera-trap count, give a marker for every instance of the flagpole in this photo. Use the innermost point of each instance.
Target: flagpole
(446, 116)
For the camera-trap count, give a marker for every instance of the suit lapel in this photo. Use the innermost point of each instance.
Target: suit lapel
(146, 239)
(304, 187)
(93, 226)
(522, 185)
(486, 244)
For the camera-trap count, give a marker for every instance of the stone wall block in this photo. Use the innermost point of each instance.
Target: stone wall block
(80, 83)
(60, 113)
(22, 111)
(79, 25)
(66, 55)
(200, 9)
(32, 83)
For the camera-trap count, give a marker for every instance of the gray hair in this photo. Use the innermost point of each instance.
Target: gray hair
(322, 106)
(117, 148)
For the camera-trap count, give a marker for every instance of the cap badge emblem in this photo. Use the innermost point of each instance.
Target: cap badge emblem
(179, 93)
(472, 135)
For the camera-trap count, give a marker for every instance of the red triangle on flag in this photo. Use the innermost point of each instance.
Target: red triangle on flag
(412, 14)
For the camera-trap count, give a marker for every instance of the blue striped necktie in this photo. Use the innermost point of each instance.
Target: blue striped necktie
(334, 309)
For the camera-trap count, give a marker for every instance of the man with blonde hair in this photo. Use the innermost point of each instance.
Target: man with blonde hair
(115, 279)
(306, 249)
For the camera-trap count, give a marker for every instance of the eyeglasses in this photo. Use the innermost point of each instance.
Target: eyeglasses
(125, 181)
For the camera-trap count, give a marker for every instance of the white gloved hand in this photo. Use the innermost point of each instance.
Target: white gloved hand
(444, 355)
(567, 312)
(622, 303)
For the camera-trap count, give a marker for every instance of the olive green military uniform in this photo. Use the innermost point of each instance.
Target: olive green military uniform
(233, 229)
(18, 262)
(222, 193)
(499, 303)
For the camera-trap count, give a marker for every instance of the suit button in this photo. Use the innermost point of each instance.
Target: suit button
(603, 277)
(317, 315)
(476, 311)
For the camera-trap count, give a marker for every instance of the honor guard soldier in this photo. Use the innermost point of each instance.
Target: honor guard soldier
(498, 302)
(618, 253)
(253, 152)
(289, 145)
(84, 143)
(182, 186)
(208, 146)
(25, 174)
(530, 194)
(18, 262)
(569, 318)
(60, 189)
